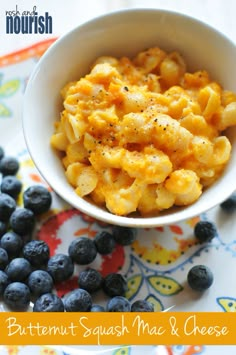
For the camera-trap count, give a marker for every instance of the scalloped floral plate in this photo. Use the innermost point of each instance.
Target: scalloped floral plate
(155, 265)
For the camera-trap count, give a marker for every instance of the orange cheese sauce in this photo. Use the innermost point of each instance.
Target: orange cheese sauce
(144, 134)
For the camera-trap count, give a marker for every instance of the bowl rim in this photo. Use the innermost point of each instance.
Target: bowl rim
(121, 12)
(183, 213)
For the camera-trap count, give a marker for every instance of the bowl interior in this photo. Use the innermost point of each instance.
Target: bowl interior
(119, 34)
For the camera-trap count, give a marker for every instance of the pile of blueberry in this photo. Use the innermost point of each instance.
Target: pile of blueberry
(28, 273)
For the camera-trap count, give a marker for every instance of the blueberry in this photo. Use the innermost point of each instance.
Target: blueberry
(78, 300)
(18, 269)
(124, 235)
(82, 250)
(2, 153)
(37, 252)
(142, 306)
(17, 296)
(229, 205)
(38, 199)
(3, 228)
(97, 308)
(114, 285)
(90, 280)
(3, 259)
(48, 303)
(4, 282)
(40, 282)
(11, 185)
(60, 267)
(22, 221)
(200, 278)
(118, 304)
(9, 166)
(12, 243)
(105, 243)
(7, 207)
(205, 231)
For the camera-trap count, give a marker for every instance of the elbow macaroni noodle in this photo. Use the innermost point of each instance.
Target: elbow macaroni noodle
(144, 134)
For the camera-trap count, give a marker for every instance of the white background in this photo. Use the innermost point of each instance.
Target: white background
(67, 14)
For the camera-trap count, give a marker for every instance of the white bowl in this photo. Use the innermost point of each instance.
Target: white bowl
(123, 33)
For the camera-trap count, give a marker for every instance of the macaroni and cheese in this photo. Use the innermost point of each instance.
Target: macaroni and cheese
(144, 134)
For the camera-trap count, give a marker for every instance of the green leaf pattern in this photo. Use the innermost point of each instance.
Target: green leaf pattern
(165, 286)
(4, 111)
(125, 350)
(7, 89)
(228, 304)
(134, 283)
(158, 306)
